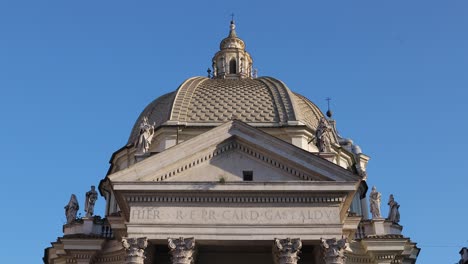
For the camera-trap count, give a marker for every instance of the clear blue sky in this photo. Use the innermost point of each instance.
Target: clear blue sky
(74, 76)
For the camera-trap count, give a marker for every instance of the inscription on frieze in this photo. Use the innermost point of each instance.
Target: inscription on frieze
(249, 216)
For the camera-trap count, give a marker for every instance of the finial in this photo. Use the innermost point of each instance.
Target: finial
(232, 32)
(329, 112)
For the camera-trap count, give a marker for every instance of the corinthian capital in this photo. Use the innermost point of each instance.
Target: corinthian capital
(333, 250)
(182, 250)
(135, 248)
(285, 251)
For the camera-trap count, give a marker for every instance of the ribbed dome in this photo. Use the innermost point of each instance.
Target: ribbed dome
(201, 101)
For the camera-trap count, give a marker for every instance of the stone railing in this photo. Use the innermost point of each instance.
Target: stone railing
(106, 231)
(94, 226)
(360, 232)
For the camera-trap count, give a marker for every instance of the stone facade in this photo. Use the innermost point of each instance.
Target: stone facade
(229, 169)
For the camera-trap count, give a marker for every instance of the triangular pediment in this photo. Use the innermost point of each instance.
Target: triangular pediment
(229, 151)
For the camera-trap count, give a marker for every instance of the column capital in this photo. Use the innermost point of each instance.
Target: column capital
(285, 251)
(135, 248)
(333, 250)
(182, 250)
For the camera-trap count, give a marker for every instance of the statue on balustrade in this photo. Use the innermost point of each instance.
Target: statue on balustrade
(91, 197)
(71, 209)
(394, 213)
(374, 200)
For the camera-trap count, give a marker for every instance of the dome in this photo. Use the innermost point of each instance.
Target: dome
(201, 101)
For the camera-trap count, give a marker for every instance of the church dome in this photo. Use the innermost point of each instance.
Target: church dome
(201, 101)
(233, 91)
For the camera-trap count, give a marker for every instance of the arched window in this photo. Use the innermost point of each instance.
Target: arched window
(232, 66)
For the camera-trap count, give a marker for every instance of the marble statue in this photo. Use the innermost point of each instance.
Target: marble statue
(374, 200)
(320, 135)
(145, 136)
(91, 197)
(71, 209)
(394, 213)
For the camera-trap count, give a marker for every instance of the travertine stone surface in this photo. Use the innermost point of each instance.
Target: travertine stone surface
(234, 214)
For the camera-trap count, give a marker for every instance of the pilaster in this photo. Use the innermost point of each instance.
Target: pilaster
(334, 250)
(135, 249)
(182, 250)
(285, 251)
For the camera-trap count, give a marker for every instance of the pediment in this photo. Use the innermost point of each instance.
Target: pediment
(226, 152)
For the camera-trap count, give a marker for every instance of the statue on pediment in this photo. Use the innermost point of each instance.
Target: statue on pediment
(374, 201)
(145, 136)
(321, 140)
(394, 213)
(71, 209)
(91, 198)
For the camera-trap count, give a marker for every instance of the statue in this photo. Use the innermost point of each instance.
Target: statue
(321, 140)
(91, 197)
(71, 209)
(394, 213)
(374, 199)
(145, 136)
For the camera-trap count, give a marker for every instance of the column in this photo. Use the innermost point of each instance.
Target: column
(333, 250)
(182, 250)
(285, 251)
(135, 249)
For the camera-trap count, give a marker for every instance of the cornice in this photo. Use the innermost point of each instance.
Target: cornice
(237, 199)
